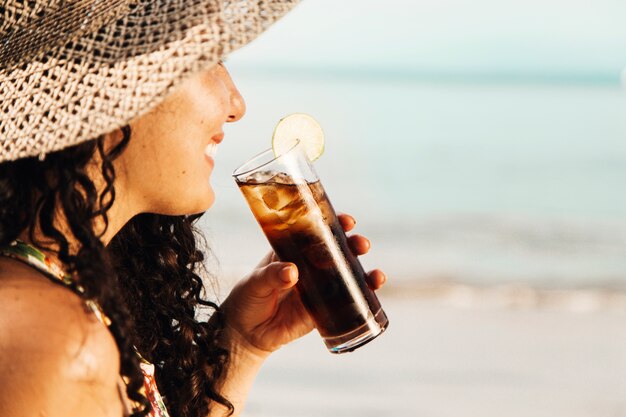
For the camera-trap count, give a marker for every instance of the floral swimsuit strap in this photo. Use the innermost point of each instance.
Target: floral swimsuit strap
(32, 256)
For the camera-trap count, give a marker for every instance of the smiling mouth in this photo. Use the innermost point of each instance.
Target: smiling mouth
(211, 150)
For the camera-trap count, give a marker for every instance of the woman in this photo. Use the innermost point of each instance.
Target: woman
(110, 115)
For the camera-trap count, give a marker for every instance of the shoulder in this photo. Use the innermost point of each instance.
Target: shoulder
(52, 346)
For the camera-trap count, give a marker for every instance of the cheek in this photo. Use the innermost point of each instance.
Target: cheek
(182, 163)
(167, 168)
(180, 181)
(165, 148)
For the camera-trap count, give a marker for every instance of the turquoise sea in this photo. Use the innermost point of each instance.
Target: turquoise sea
(477, 183)
(470, 181)
(476, 142)
(479, 142)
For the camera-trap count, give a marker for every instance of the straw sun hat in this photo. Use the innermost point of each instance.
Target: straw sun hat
(71, 70)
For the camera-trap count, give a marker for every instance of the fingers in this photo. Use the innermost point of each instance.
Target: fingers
(274, 276)
(376, 279)
(347, 222)
(288, 273)
(359, 245)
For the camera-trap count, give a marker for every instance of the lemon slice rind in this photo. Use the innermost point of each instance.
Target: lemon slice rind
(298, 127)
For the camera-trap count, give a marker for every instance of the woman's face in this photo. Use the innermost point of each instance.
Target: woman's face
(167, 164)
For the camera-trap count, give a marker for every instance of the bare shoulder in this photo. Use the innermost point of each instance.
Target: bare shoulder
(55, 356)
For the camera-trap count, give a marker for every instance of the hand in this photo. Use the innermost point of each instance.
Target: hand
(264, 312)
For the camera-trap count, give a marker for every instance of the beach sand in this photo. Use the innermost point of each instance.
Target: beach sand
(462, 352)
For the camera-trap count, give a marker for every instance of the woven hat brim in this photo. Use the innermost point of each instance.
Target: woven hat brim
(103, 80)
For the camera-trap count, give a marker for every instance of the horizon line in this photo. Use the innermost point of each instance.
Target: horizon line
(606, 78)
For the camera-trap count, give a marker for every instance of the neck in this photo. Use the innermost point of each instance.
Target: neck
(118, 215)
(124, 208)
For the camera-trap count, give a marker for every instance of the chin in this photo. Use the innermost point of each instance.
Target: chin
(190, 204)
(202, 204)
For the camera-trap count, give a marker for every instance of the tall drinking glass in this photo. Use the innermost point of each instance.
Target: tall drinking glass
(289, 202)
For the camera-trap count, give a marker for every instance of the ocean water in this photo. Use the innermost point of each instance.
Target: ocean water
(452, 180)
(479, 143)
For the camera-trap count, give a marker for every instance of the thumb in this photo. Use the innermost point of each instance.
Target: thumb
(274, 276)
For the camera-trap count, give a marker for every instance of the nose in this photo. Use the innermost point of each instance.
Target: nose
(237, 105)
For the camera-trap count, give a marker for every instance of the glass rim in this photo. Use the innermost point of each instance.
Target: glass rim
(236, 173)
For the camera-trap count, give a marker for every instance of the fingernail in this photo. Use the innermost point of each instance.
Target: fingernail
(288, 274)
(384, 278)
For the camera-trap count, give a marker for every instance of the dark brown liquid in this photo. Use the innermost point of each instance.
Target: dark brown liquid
(302, 228)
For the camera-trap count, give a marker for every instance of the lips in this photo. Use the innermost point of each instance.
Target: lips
(218, 138)
(211, 148)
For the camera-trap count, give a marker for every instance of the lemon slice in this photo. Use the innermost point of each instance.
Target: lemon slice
(302, 127)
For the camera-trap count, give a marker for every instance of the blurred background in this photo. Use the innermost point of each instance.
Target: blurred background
(481, 147)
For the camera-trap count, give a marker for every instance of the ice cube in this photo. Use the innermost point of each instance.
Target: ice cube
(280, 198)
(271, 200)
(259, 177)
(293, 213)
(281, 178)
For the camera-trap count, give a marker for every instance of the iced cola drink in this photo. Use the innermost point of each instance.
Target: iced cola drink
(302, 227)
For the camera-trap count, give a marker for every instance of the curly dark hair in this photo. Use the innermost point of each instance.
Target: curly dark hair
(146, 279)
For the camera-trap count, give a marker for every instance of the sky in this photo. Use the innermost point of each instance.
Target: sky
(583, 39)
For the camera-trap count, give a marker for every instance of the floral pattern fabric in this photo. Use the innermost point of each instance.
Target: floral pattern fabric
(30, 255)
(151, 391)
